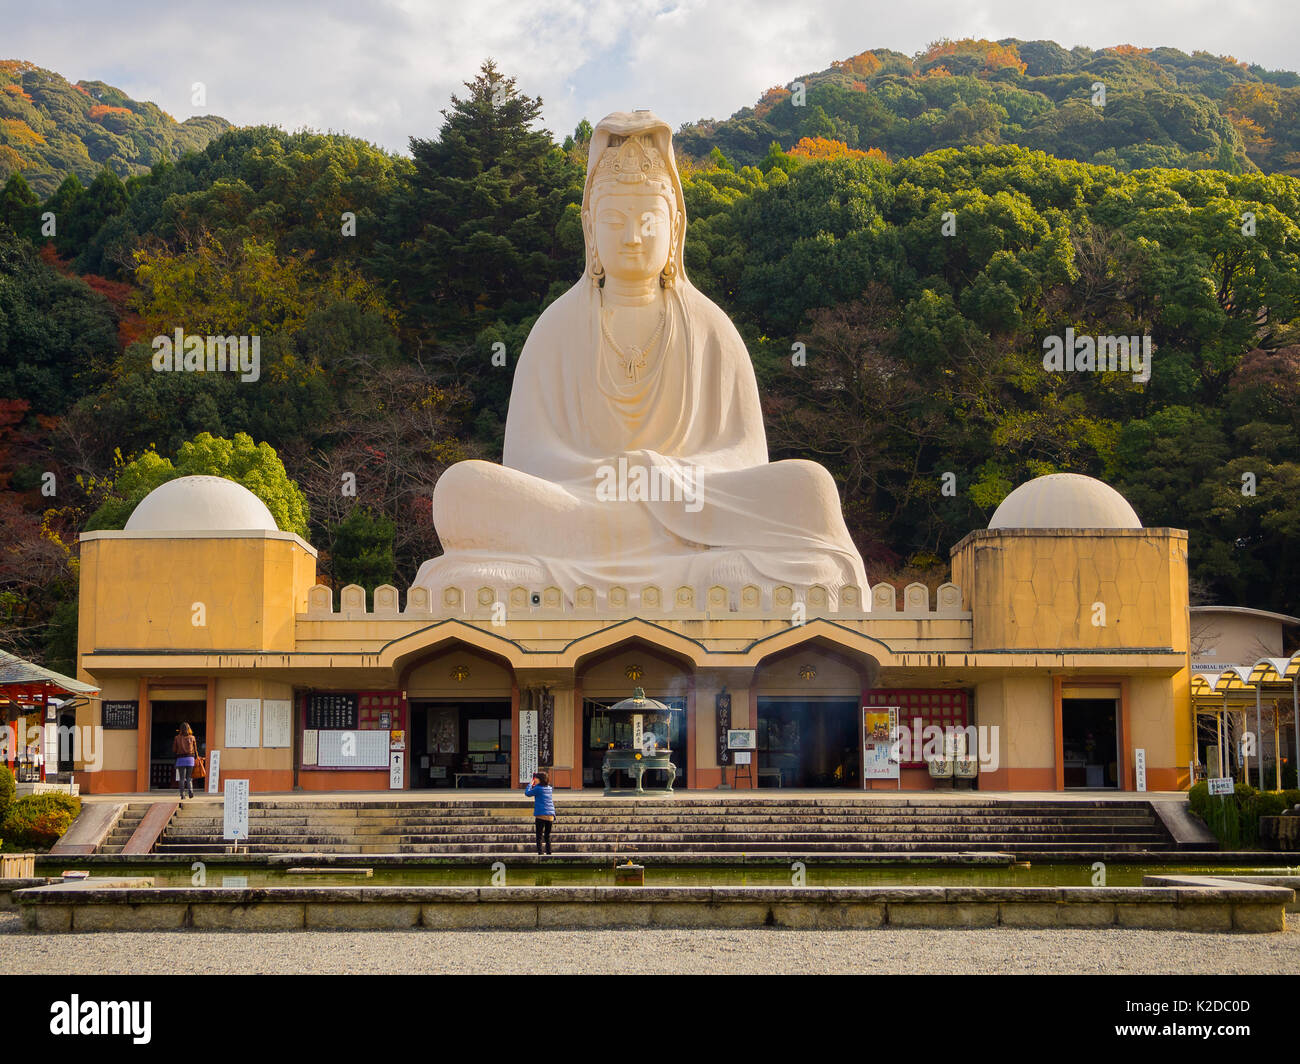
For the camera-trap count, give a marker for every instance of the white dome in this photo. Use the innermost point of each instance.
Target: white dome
(1065, 500)
(200, 504)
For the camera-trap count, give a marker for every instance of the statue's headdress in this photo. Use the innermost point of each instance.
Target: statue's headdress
(635, 149)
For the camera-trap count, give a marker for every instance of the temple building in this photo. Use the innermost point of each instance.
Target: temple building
(1063, 638)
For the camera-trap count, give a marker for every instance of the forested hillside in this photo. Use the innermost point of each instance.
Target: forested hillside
(895, 308)
(50, 128)
(1124, 107)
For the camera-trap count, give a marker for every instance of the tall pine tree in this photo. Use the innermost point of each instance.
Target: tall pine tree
(473, 238)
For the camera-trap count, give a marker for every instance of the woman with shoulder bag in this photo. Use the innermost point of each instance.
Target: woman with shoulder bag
(186, 749)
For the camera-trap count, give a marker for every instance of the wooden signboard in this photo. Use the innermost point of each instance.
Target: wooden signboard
(332, 711)
(120, 716)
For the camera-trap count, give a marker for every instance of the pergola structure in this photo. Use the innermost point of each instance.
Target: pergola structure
(27, 688)
(1236, 687)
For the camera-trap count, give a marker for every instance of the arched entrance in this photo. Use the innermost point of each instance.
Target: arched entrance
(807, 708)
(610, 675)
(464, 713)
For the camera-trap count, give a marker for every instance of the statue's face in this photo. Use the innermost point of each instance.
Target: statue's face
(633, 229)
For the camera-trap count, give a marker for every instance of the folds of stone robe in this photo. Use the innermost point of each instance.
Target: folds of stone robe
(663, 479)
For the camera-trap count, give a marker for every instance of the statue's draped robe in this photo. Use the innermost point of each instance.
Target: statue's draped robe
(693, 414)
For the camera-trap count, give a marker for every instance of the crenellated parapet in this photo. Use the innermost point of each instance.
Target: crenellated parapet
(501, 604)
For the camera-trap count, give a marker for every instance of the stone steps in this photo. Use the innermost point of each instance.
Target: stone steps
(121, 832)
(706, 826)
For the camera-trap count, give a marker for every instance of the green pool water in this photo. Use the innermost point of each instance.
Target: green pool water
(837, 875)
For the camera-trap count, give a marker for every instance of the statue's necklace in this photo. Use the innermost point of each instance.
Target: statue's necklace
(631, 359)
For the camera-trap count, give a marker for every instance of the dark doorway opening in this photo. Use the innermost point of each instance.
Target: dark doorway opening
(808, 743)
(165, 719)
(460, 743)
(1090, 742)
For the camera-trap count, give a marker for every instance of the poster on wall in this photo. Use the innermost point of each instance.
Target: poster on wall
(310, 741)
(879, 738)
(276, 717)
(243, 722)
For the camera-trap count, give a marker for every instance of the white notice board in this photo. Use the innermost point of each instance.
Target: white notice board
(243, 722)
(352, 749)
(310, 744)
(235, 819)
(527, 744)
(276, 713)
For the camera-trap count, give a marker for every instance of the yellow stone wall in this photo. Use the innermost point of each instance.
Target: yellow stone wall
(139, 591)
(1048, 588)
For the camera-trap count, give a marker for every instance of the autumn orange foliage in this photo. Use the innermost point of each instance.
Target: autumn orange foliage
(1126, 49)
(17, 90)
(864, 64)
(995, 56)
(770, 99)
(101, 109)
(812, 148)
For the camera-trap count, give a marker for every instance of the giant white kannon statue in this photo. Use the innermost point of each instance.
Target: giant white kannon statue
(634, 451)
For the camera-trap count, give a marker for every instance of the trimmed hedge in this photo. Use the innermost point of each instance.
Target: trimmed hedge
(39, 820)
(1234, 818)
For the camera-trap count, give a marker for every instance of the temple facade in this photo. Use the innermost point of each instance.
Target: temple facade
(1060, 649)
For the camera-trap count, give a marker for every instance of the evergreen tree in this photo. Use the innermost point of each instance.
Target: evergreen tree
(474, 236)
(19, 206)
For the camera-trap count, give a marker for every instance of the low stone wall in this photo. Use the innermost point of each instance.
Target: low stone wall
(1213, 906)
(9, 884)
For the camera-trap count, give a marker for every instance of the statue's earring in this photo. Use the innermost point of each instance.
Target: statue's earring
(669, 275)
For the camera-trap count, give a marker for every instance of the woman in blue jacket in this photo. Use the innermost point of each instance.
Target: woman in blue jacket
(543, 796)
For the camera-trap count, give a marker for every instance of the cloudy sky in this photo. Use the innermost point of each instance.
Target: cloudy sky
(383, 69)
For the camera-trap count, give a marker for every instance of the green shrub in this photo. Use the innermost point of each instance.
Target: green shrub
(39, 820)
(1234, 818)
(6, 790)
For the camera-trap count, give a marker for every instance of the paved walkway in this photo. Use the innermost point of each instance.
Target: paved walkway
(974, 952)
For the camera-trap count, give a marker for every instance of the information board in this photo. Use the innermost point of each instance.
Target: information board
(119, 716)
(214, 771)
(243, 722)
(332, 711)
(1221, 786)
(1140, 768)
(236, 810)
(276, 728)
(352, 749)
(310, 745)
(527, 745)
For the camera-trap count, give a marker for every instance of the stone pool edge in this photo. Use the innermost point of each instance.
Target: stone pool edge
(1199, 904)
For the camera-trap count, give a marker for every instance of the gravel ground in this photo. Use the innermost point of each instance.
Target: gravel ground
(973, 952)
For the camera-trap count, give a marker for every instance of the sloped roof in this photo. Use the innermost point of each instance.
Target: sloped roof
(14, 671)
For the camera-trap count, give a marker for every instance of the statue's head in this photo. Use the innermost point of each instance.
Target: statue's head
(633, 213)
